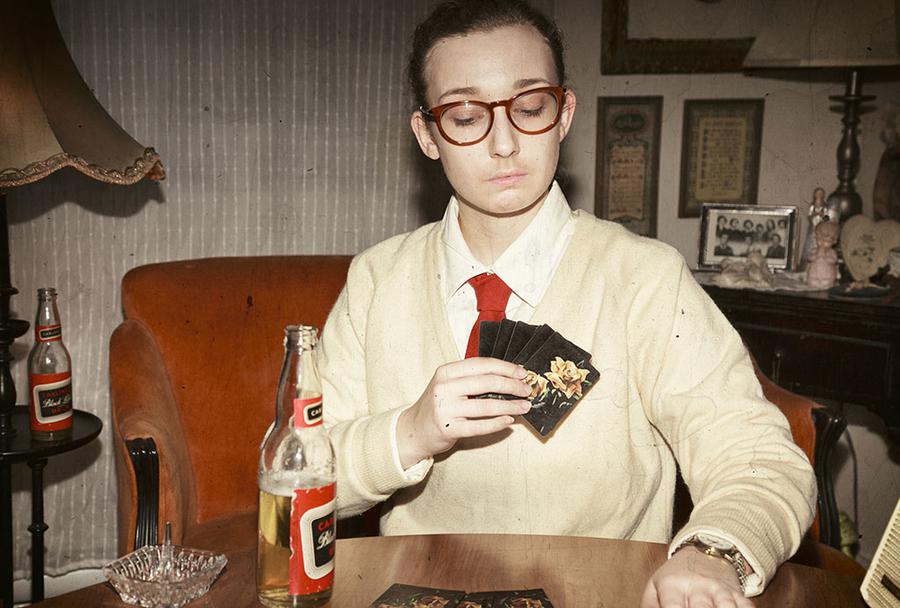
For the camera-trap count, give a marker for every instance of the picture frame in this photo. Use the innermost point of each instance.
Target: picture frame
(720, 151)
(734, 231)
(627, 173)
(694, 53)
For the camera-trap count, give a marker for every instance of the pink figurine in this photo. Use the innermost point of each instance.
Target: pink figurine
(823, 259)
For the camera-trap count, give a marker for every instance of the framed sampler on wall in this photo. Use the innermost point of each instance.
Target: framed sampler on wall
(627, 173)
(720, 148)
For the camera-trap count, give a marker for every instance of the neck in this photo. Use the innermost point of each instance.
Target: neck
(488, 236)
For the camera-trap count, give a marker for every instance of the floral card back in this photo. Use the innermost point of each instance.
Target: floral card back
(560, 374)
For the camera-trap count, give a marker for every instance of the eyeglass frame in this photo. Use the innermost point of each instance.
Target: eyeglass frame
(434, 114)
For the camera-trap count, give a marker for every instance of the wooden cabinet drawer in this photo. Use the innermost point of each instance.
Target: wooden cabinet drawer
(827, 366)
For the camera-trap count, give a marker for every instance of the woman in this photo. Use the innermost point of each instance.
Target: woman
(675, 380)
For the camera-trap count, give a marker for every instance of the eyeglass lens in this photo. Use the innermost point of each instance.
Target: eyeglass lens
(531, 112)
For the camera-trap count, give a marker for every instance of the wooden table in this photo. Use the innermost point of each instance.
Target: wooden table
(579, 572)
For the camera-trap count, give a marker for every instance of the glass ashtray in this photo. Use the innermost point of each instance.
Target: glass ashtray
(164, 576)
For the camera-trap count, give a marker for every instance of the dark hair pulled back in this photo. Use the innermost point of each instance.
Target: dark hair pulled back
(461, 17)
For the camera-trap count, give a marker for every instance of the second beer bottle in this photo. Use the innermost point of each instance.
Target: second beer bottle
(295, 556)
(49, 374)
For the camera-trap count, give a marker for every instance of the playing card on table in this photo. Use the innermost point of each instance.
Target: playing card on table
(560, 374)
(411, 596)
(527, 598)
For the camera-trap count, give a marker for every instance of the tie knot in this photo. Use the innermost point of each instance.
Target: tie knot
(491, 292)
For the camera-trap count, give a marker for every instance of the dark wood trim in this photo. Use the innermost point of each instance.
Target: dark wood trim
(623, 55)
(830, 425)
(145, 462)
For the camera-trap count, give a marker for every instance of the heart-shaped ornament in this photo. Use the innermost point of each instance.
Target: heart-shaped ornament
(866, 244)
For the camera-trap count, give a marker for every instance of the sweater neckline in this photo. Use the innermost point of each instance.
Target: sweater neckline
(553, 298)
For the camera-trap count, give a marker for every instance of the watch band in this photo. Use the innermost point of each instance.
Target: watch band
(729, 554)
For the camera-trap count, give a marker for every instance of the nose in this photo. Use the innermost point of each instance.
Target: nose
(503, 140)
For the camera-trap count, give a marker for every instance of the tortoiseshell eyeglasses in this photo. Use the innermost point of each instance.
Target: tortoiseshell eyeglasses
(465, 123)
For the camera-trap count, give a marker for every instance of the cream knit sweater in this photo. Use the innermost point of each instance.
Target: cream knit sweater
(675, 383)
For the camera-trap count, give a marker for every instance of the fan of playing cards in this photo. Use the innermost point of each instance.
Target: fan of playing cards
(559, 372)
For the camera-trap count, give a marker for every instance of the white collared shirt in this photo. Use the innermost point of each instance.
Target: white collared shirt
(527, 265)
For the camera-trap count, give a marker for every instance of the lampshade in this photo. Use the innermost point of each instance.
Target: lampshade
(48, 117)
(827, 33)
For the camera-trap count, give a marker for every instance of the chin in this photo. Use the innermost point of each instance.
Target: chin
(510, 201)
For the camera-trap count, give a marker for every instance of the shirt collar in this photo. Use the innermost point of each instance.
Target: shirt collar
(526, 265)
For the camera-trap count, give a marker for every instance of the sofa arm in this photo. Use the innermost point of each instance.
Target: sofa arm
(144, 408)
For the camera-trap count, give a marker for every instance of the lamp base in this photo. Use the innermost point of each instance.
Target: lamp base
(845, 198)
(10, 329)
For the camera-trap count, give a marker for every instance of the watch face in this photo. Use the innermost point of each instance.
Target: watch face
(715, 542)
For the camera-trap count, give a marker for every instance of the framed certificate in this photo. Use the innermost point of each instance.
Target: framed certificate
(719, 153)
(627, 173)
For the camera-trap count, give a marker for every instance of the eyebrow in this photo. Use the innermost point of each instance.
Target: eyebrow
(519, 84)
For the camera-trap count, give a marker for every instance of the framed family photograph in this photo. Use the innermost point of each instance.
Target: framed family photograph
(736, 231)
(689, 36)
(721, 142)
(628, 161)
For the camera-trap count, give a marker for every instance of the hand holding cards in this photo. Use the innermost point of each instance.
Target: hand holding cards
(559, 372)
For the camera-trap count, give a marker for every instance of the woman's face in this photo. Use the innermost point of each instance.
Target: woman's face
(508, 171)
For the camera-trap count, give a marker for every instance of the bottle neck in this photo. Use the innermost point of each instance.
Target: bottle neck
(299, 399)
(47, 326)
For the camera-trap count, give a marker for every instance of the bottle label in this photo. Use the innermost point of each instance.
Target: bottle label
(48, 333)
(307, 412)
(51, 401)
(312, 540)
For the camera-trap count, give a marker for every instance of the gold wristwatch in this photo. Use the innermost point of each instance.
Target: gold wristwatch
(716, 547)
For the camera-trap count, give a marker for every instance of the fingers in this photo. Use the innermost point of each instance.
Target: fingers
(486, 383)
(488, 408)
(649, 599)
(481, 426)
(675, 596)
(475, 366)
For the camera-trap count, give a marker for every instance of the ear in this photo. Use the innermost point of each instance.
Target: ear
(568, 113)
(424, 136)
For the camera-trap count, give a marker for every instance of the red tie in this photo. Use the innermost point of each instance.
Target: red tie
(492, 295)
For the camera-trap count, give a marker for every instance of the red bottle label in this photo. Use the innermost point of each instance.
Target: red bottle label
(51, 401)
(48, 333)
(307, 412)
(312, 540)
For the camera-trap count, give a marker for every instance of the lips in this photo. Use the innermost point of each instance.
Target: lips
(507, 178)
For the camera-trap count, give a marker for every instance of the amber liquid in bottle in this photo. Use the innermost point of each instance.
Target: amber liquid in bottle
(295, 548)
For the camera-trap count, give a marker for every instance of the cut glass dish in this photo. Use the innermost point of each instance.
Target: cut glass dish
(164, 576)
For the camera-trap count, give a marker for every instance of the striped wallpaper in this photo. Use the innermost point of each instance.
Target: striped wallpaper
(284, 129)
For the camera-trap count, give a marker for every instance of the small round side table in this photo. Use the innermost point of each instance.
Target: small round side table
(20, 448)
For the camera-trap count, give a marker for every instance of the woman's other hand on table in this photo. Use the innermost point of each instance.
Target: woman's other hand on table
(692, 579)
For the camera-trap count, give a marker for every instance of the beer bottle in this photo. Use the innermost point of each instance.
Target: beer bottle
(49, 374)
(295, 551)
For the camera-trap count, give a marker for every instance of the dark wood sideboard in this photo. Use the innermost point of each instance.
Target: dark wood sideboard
(824, 347)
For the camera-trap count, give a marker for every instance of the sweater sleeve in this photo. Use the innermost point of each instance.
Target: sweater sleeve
(747, 477)
(368, 471)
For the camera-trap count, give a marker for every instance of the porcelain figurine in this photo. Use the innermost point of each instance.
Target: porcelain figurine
(823, 261)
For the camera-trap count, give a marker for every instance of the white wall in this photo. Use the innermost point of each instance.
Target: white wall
(799, 143)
